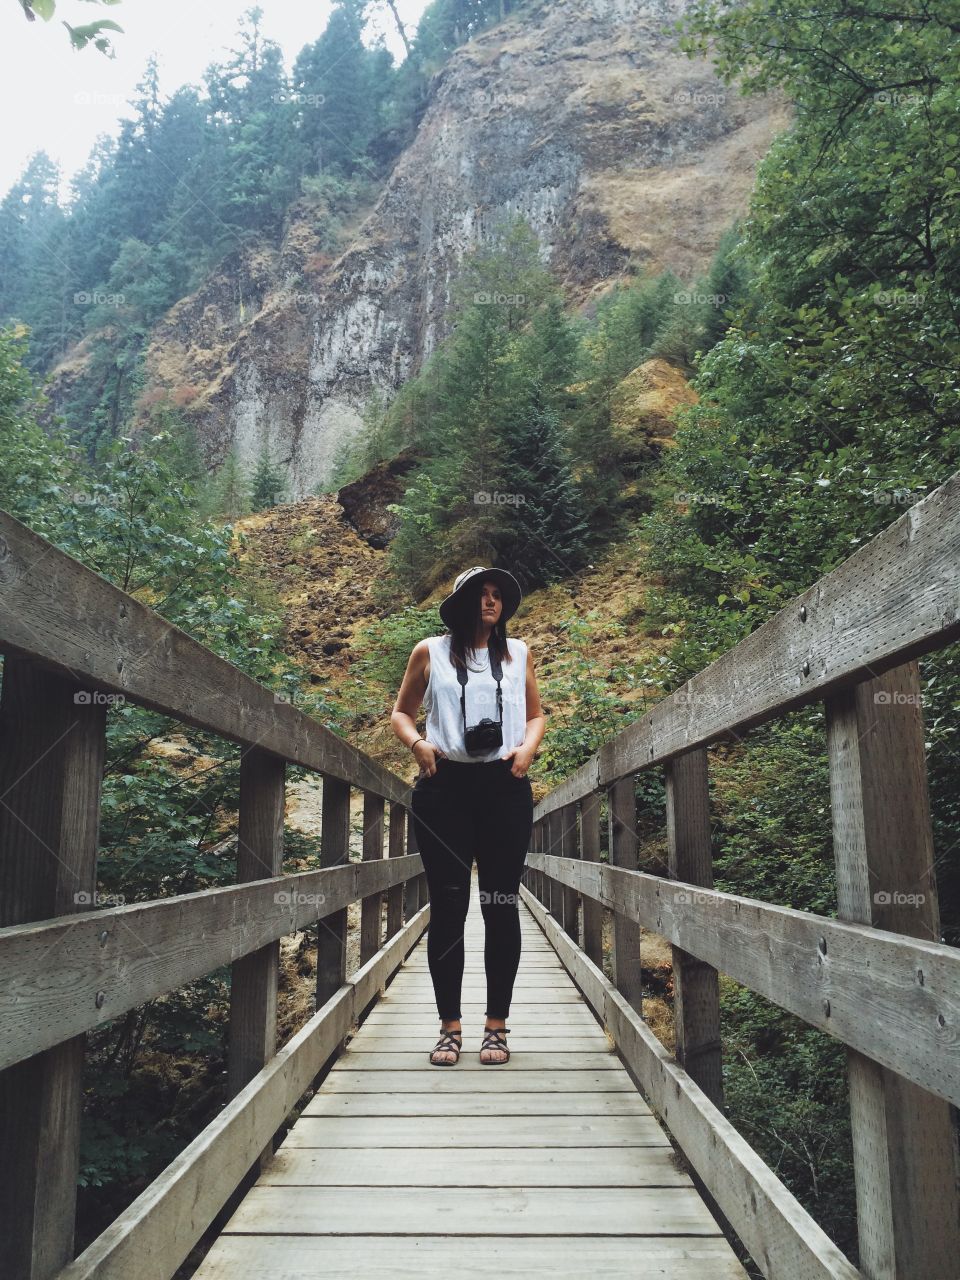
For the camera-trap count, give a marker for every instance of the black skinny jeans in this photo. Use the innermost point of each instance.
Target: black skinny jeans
(462, 811)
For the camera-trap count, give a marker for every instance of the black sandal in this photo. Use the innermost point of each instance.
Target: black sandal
(447, 1044)
(493, 1039)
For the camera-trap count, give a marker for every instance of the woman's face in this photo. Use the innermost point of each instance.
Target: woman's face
(491, 605)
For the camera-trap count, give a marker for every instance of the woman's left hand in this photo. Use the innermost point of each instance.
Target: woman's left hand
(522, 758)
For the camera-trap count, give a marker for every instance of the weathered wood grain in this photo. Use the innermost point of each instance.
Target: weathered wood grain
(894, 998)
(63, 976)
(55, 609)
(906, 1162)
(52, 750)
(896, 598)
(781, 1236)
(151, 1238)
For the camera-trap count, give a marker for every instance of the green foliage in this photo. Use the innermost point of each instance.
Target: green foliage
(785, 1092)
(80, 36)
(586, 708)
(828, 405)
(497, 480)
(269, 481)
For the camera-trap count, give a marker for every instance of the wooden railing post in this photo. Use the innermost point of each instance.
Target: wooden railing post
(334, 852)
(52, 751)
(555, 901)
(696, 998)
(904, 1143)
(253, 982)
(397, 827)
(569, 848)
(543, 831)
(628, 975)
(371, 908)
(590, 852)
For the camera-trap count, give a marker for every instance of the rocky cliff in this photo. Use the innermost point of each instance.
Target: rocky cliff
(624, 155)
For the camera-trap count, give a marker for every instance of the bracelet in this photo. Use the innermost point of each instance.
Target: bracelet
(413, 744)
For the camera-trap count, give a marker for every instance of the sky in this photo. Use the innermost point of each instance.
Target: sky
(58, 99)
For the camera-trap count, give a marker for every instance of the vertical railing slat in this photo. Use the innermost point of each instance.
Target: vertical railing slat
(569, 848)
(371, 907)
(590, 852)
(628, 975)
(52, 750)
(397, 827)
(334, 852)
(253, 984)
(904, 1142)
(696, 1000)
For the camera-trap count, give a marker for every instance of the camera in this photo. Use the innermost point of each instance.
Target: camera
(483, 736)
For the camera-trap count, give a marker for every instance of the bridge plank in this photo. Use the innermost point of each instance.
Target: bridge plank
(781, 1236)
(577, 1160)
(352, 1257)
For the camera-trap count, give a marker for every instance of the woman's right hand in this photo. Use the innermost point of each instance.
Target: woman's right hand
(426, 756)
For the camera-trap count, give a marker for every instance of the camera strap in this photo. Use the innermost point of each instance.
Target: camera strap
(497, 671)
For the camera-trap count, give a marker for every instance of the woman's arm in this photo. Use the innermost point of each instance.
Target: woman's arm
(403, 718)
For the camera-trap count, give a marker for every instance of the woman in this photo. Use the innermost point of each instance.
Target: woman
(476, 802)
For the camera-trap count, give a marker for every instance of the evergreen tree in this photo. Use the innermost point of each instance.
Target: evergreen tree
(548, 531)
(227, 495)
(269, 481)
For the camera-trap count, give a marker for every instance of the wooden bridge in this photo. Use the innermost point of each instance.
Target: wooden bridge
(559, 1161)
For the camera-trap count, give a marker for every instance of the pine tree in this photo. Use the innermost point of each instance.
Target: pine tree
(548, 531)
(227, 494)
(269, 481)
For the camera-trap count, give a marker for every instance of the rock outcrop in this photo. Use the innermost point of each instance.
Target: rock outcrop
(625, 156)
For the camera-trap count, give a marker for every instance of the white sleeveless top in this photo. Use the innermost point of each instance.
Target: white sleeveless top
(441, 699)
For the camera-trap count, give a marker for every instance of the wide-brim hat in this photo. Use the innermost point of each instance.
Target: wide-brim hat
(510, 592)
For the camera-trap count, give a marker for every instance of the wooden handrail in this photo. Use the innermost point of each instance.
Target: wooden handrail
(59, 613)
(64, 976)
(68, 636)
(868, 979)
(877, 979)
(896, 598)
(891, 996)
